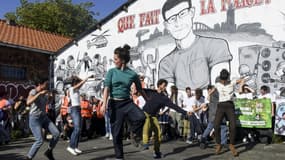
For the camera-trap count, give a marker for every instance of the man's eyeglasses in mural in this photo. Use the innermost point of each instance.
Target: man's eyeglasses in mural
(183, 13)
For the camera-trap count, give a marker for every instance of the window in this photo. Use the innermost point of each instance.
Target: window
(12, 73)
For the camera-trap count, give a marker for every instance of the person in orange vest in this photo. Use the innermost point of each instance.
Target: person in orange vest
(64, 113)
(4, 109)
(98, 121)
(94, 104)
(86, 114)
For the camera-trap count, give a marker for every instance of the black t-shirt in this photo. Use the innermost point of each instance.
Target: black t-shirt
(156, 101)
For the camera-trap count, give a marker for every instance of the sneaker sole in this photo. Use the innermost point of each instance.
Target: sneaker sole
(75, 154)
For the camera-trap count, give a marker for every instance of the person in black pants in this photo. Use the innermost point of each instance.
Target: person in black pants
(121, 107)
(225, 108)
(156, 100)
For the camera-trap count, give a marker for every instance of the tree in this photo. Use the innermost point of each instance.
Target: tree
(56, 16)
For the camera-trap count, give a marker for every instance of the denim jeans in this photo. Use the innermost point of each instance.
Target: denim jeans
(37, 123)
(195, 126)
(4, 135)
(107, 123)
(209, 128)
(75, 113)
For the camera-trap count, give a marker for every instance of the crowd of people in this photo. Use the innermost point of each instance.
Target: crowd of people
(131, 110)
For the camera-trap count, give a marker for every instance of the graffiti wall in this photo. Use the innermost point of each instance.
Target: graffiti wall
(185, 42)
(15, 90)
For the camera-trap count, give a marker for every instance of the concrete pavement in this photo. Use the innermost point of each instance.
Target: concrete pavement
(102, 149)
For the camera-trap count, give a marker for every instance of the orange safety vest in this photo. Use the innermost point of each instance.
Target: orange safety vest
(3, 103)
(97, 108)
(86, 110)
(64, 106)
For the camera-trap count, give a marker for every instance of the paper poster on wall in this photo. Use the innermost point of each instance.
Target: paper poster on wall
(279, 128)
(253, 113)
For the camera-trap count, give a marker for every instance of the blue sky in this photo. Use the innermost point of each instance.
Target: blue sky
(104, 7)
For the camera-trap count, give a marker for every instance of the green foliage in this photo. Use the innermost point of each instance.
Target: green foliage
(56, 16)
(10, 16)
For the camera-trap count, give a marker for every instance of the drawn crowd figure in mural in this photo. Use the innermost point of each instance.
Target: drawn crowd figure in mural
(250, 78)
(97, 67)
(60, 71)
(79, 64)
(280, 72)
(86, 59)
(149, 65)
(105, 64)
(70, 66)
(196, 58)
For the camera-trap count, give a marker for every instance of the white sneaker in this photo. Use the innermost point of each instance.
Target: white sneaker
(107, 135)
(199, 137)
(72, 151)
(111, 137)
(189, 142)
(77, 150)
(244, 140)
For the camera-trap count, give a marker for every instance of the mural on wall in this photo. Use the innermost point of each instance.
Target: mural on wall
(99, 40)
(180, 66)
(186, 43)
(147, 53)
(84, 64)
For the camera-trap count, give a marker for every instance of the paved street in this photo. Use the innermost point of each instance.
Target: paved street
(100, 149)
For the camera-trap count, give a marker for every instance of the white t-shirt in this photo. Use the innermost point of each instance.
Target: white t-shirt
(179, 101)
(244, 95)
(188, 103)
(225, 91)
(74, 96)
(192, 101)
(267, 95)
(141, 102)
(198, 103)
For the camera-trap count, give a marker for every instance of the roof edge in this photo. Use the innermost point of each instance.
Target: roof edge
(37, 30)
(26, 48)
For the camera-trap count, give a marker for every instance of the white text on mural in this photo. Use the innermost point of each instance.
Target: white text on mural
(208, 6)
(145, 19)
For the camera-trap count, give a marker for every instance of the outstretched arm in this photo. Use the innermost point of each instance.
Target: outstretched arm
(170, 104)
(78, 85)
(31, 98)
(250, 89)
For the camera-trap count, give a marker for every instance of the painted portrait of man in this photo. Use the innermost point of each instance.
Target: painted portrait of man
(196, 60)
